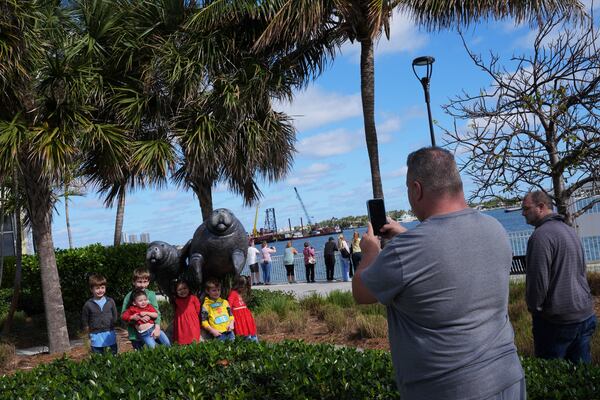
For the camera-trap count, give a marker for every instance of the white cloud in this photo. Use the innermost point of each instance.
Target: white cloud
(396, 173)
(168, 195)
(336, 142)
(404, 37)
(316, 107)
(312, 174)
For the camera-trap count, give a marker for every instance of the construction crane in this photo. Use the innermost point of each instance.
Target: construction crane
(308, 221)
(254, 231)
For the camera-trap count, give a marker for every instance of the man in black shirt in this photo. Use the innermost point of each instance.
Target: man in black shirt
(329, 256)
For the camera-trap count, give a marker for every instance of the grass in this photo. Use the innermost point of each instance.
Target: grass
(371, 326)
(266, 322)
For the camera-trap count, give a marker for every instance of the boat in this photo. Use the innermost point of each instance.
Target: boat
(275, 236)
(407, 218)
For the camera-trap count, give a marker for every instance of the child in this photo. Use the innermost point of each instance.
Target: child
(144, 315)
(186, 323)
(98, 317)
(244, 321)
(141, 280)
(216, 314)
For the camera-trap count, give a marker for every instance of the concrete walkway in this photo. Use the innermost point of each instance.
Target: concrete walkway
(32, 351)
(303, 289)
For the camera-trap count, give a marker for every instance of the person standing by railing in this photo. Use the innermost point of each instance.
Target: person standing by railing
(356, 253)
(266, 262)
(288, 260)
(345, 257)
(309, 262)
(329, 257)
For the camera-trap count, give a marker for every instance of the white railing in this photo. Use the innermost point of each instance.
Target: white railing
(279, 275)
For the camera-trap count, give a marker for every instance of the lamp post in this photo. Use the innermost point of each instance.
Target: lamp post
(425, 61)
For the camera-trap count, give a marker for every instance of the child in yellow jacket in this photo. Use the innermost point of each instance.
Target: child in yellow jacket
(216, 314)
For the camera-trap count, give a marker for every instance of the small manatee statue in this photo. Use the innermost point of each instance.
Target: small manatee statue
(164, 264)
(218, 247)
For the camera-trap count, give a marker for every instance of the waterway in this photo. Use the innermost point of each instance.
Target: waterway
(512, 222)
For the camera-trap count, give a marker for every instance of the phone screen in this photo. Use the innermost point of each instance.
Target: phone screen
(376, 210)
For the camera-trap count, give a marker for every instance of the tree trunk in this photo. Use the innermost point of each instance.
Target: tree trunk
(205, 199)
(367, 92)
(68, 220)
(39, 208)
(2, 201)
(119, 218)
(18, 262)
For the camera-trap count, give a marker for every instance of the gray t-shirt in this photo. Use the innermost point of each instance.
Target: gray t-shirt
(445, 285)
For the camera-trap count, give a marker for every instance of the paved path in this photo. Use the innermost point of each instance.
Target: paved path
(306, 289)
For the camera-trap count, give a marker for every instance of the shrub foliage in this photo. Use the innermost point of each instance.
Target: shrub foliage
(74, 267)
(246, 370)
(239, 370)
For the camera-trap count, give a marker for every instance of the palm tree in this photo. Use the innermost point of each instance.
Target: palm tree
(46, 124)
(293, 22)
(71, 186)
(123, 38)
(224, 122)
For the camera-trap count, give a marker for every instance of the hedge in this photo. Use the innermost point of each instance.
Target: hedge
(74, 267)
(217, 370)
(246, 370)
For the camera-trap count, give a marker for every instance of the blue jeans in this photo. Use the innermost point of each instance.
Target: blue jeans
(149, 340)
(266, 271)
(345, 268)
(568, 341)
(102, 350)
(227, 335)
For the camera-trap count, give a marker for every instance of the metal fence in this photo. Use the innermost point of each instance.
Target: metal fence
(591, 245)
(518, 242)
(279, 274)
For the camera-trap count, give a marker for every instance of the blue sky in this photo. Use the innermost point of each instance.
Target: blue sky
(331, 168)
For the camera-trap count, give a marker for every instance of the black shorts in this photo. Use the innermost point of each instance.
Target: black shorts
(289, 269)
(254, 267)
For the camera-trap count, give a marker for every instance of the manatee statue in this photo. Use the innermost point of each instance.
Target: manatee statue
(164, 264)
(218, 247)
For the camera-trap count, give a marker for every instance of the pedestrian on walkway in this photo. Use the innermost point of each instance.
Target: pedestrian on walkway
(344, 257)
(266, 261)
(329, 256)
(356, 253)
(288, 260)
(309, 262)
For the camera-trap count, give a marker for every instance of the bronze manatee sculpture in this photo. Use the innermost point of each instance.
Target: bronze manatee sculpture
(218, 248)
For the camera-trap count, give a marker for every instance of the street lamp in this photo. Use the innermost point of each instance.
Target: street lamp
(425, 61)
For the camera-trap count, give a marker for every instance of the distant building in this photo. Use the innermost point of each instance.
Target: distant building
(7, 234)
(145, 237)
(133, 238)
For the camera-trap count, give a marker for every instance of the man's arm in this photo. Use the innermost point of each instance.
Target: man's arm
(538, 261)
(369, 246)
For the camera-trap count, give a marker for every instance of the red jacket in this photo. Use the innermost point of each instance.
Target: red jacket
(132, 310)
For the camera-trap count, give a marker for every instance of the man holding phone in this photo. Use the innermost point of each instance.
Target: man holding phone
(445, 285)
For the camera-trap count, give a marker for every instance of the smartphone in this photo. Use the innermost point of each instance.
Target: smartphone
(376, 210)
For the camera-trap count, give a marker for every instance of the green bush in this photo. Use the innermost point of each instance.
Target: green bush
(74, 267)
(5, 299)
(246, 370)
(239, 370)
